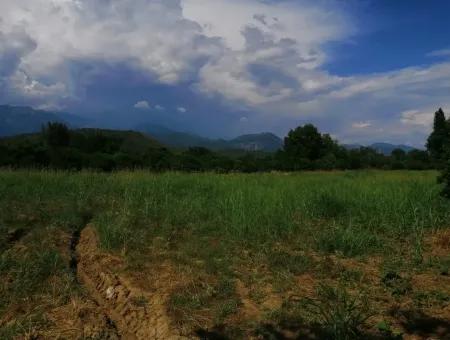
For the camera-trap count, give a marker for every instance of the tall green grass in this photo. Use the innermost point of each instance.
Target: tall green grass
(351, 212)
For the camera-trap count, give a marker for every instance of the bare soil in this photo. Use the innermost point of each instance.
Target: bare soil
(136, 313)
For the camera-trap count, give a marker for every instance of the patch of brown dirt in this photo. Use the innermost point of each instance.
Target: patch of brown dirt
(306, 285)
(80, 319)
(427, 281)
(249, 309)
(137, 313)
(438, 243)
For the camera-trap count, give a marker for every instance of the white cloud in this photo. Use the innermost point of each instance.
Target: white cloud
(142, 105)
(440, 53)
(418, 117)
(148, 35)
(361, 125)
(308, 24)
(159, 107)
(181, 109)
(243, 120)
(274, 50)
(174, 41)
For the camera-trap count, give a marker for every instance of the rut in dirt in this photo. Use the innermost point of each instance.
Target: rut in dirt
(136, 314)
(86, 218)
(111, 331)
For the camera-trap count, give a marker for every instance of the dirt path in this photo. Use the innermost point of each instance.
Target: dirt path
(136, 314)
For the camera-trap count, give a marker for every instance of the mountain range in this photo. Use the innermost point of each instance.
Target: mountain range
(384, 148)
(16, 120)
(252, 142)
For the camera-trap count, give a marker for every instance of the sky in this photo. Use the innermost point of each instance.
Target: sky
(362, 70)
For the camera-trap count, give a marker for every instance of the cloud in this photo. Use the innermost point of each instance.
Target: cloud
(142, 105)
(150, 36)
(243, 119)
(440, 53)
(267, 58)
(215, 42)
(274, 50)
(159, 108)
(418, 117)
(361, 125)
(181, 109)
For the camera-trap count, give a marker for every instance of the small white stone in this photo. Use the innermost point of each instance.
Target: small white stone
(110, 293)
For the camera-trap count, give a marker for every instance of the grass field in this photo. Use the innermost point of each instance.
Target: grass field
(278, 255)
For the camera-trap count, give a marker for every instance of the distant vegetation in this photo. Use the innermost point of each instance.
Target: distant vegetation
(305, 148)
(59, 147)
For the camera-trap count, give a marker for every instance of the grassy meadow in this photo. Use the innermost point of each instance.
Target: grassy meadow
(360, 240)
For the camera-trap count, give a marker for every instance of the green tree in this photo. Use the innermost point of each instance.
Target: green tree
(440, 137)
(304, 142)
(56, 134)
(305, 148)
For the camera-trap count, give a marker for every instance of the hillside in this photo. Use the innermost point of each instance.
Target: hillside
(267, 142)
(15, 120)
(177, 139)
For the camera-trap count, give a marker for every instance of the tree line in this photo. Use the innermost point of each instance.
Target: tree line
(305, 148)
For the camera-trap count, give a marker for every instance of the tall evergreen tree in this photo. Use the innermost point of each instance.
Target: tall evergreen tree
(440, 137)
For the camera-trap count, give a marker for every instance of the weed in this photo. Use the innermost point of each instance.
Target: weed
(200, 301)
(428, 299)
(348, 241)
(397, 284)
(295, 264)
(341, 315)
(387, 332)
(23, 328)
(350, 275)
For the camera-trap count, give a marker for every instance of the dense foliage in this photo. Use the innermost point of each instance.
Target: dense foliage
(438, 145)
(305, 148)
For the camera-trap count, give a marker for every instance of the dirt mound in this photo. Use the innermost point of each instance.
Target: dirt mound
(137, 314)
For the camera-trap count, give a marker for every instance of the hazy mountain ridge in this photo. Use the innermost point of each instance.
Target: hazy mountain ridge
(384, 148)
(265, 141)
(15, 120)
(387, 148)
